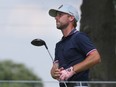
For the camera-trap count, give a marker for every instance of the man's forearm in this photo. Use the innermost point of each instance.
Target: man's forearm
(89, 62)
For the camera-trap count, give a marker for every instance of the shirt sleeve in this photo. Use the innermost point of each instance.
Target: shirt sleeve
(84, 44)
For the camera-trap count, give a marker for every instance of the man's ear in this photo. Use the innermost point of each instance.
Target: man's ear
(71, 18)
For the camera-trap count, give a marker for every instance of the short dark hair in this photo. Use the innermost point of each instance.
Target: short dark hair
(75, 23)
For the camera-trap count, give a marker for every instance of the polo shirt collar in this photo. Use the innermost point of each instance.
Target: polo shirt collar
(71, 33)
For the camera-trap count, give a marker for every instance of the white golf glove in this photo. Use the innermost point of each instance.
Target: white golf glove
(67, 73)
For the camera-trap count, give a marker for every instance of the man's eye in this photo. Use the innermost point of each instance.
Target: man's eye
(59, 14)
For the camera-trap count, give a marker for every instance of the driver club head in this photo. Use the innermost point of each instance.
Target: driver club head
(38, 42)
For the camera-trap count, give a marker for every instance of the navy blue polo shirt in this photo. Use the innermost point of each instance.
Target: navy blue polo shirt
(72, 50)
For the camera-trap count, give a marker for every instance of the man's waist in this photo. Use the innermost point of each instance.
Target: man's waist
(83, 76)
(81, 84)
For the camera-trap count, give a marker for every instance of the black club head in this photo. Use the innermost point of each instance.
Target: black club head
(38, 42)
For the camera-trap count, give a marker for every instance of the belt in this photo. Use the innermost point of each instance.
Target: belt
(81, 84)
(74, 85)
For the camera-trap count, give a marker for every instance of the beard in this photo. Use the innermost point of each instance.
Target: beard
(61, 26)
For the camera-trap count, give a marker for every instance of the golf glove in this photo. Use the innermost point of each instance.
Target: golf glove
(67, 73)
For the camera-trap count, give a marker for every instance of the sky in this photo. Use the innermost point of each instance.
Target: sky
(21, 21)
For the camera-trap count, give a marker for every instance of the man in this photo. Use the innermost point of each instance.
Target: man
(75, 53)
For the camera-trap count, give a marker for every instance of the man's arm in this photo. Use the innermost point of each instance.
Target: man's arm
(92, 59)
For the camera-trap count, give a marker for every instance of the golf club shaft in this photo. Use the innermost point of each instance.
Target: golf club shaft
(50, 55)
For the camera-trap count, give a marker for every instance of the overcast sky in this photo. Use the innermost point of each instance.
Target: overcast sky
(21, 21)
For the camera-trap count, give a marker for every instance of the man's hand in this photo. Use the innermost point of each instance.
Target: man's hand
(66, 74)
(55, 71)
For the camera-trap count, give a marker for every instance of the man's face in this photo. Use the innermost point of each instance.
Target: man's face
(62, 20)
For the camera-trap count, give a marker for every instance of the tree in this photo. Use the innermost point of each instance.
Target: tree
(12, 71)
(98, 21)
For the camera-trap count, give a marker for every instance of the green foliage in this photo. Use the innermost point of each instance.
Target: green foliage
(11, 71)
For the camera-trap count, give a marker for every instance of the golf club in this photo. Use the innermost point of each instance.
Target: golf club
(40, 42)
